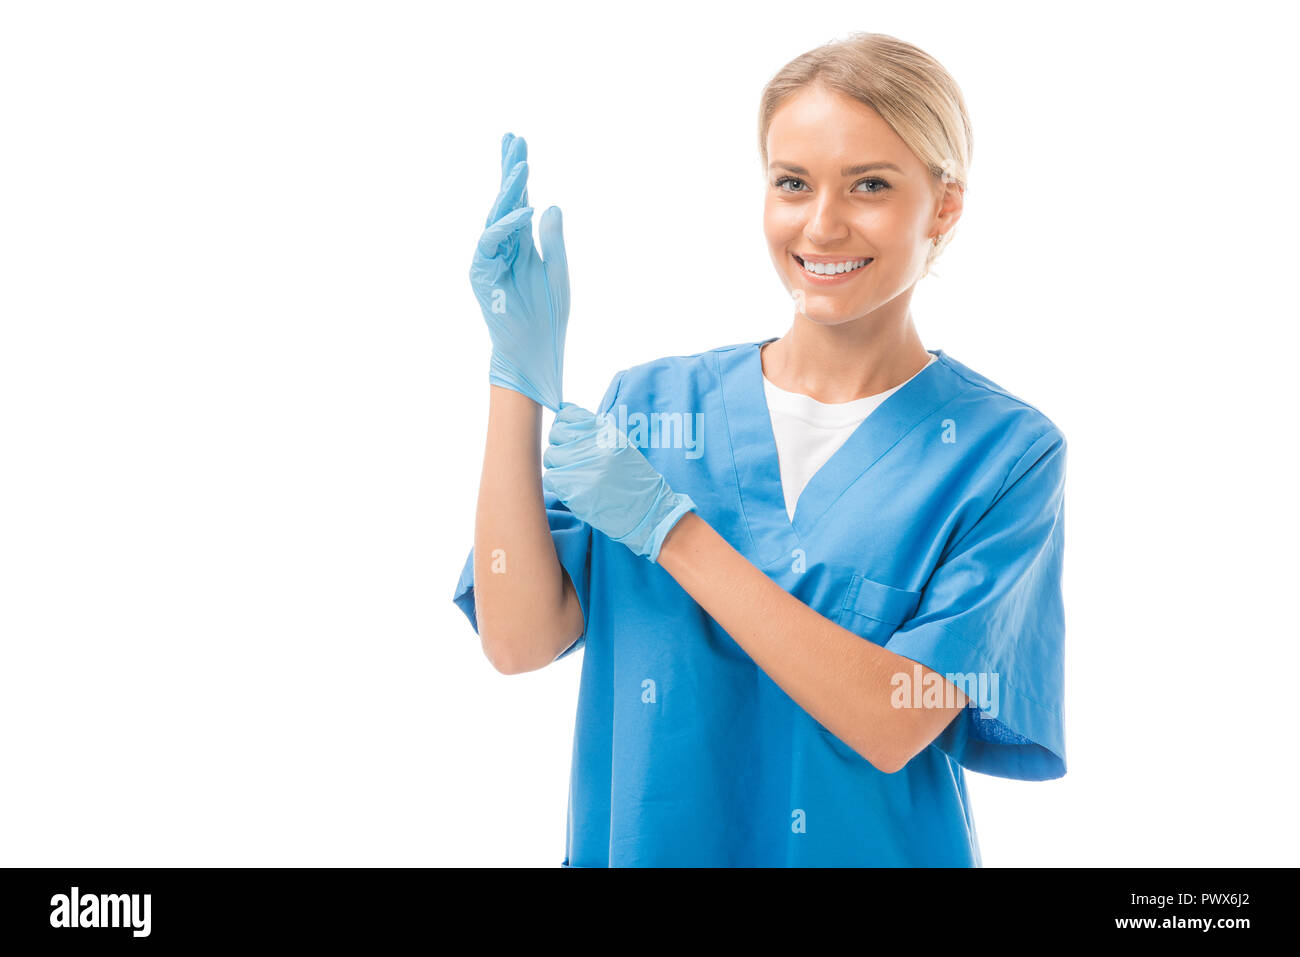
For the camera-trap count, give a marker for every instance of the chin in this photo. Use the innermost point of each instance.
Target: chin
(830, 316)
(829, 321)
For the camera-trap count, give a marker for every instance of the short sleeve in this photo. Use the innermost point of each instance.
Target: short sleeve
(572, 538)
(991, 619)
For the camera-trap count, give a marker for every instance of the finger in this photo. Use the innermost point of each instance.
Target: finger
(552, 488)
(573, 424)
(572, 412)
(513, 150)
(551, 235)
(555, 261)
(503, 229)
(568, 430)
(567, 435)
(511, 196)
(559, 458)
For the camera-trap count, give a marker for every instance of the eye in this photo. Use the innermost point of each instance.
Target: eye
(874, 179)
(877, 184)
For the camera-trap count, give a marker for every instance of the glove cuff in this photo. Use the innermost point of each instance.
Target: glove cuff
(502, 373)
(681, 505)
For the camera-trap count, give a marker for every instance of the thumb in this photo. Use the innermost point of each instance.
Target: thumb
(551, 233)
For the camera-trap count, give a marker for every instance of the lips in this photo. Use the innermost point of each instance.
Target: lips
(829, 259)
(824, 276)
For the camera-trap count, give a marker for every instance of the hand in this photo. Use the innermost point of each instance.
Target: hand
(525, 299)
(606, 481)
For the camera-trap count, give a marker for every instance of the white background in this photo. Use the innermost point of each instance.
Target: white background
(243, 388)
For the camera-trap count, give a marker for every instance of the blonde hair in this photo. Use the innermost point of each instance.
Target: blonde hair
(910, 90)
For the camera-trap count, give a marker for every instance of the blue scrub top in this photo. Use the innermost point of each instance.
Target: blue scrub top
(936, 531)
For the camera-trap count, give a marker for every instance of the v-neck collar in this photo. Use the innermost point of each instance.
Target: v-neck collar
(749, 423)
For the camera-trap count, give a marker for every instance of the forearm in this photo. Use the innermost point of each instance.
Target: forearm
(841, 679)
(526, 608)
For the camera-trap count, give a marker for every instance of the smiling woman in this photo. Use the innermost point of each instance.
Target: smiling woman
(912, 124)
(796, 640)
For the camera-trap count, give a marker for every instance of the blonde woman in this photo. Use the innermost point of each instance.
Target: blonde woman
(817, 578)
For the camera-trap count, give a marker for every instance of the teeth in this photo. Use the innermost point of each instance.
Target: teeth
(834, 269)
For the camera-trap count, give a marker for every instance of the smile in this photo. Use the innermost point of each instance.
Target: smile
(831, 270)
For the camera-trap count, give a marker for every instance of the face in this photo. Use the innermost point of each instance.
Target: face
(844, 193)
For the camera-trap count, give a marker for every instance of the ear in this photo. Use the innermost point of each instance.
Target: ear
(948, 206)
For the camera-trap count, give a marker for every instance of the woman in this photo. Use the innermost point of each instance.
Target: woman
(815, 577)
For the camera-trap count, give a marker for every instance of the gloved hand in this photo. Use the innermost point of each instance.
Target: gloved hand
(524, 299)
(606, 481)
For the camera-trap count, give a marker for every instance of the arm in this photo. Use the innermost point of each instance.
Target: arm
(838, 677)
(527, 609)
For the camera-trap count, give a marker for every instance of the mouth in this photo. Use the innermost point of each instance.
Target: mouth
(830, 270)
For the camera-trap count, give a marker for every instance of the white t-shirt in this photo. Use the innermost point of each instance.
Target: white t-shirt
(809, 432)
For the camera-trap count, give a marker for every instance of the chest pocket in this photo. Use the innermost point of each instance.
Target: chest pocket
(874, 610)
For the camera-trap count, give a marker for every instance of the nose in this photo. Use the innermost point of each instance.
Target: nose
(826, 220)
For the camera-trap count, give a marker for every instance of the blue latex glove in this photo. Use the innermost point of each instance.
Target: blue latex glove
(606, 481)
(525, 299)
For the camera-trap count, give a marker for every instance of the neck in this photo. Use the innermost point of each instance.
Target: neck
(844, 362)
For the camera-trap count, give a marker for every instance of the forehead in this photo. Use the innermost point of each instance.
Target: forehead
(820, 125)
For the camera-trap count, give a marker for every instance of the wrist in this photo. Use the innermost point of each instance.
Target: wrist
(508, 375)
(682, 506)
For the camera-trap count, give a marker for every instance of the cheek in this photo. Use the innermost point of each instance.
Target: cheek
(909, 225)
(880, 227)
(780, 223)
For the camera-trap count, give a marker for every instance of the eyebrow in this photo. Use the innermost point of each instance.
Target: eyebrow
(847, 171)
